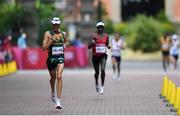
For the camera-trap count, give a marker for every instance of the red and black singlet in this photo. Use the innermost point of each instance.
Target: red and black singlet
(100, 46)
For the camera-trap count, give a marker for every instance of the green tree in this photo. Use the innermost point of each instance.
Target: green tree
(109, 26)
(1, 2)
(12, 19)
(144, 33)
(120, 27)
(165, 23)
(45, 13)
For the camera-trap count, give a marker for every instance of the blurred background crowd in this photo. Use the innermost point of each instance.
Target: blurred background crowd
(141, 23)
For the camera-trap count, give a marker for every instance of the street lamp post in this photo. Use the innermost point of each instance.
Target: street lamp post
(99, 10)
(38, 7)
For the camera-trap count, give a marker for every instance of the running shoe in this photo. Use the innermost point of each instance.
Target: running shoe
(58, 104)
(118, 78)
(53, 97)
(97, 88)
(114, 77)
(101, 90)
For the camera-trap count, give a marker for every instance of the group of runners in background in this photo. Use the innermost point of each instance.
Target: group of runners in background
(170, 50)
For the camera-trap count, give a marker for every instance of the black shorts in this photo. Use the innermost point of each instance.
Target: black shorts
(99, 60)
(176, 57)
(117, 58)
(165, 53)
(52, 62)
(99, 57)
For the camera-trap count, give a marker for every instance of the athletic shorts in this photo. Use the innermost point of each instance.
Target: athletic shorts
(165, 53)
(117, 58)
(99, 60)
(52, 62)
(176, 57)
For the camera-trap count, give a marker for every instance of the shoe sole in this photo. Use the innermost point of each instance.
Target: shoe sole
(58, 107)
(101, 93)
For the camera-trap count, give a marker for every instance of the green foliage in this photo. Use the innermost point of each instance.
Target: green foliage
(12, 19)
(160, 16)
(109, 26)
(46, 12)
(143, 34)
(121, 27)
(165, 23)
(15, 16)
(1, 2)
(168, 27)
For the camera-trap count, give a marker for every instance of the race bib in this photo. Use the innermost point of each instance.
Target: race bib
(100, 49)
(165, 46)
(57, 50)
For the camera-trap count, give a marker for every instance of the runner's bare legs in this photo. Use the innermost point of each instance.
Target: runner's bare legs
(52, 83)
(60, 68)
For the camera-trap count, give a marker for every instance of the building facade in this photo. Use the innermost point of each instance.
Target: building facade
(81, 15)
(117, 13)
(173, 12)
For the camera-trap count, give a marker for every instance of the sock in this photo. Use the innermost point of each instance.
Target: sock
(102, 87)
(58, 102)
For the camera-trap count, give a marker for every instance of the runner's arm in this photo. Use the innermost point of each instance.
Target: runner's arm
(178, 44)
(108, 43)
(46, 41)
(67, 41)
(91, 42)
(122, 45)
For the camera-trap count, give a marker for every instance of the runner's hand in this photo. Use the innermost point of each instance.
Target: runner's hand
(93, 41)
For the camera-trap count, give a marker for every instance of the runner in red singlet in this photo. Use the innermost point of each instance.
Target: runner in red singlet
(99, 44)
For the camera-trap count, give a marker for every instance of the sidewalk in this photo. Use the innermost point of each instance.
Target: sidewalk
(28, 92)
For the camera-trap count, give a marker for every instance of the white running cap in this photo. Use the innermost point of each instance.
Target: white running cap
(174, 36)
(55, 20)
(23, 35)
(100, 24)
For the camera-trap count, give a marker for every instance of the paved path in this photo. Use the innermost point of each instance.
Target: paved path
(28, 92)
